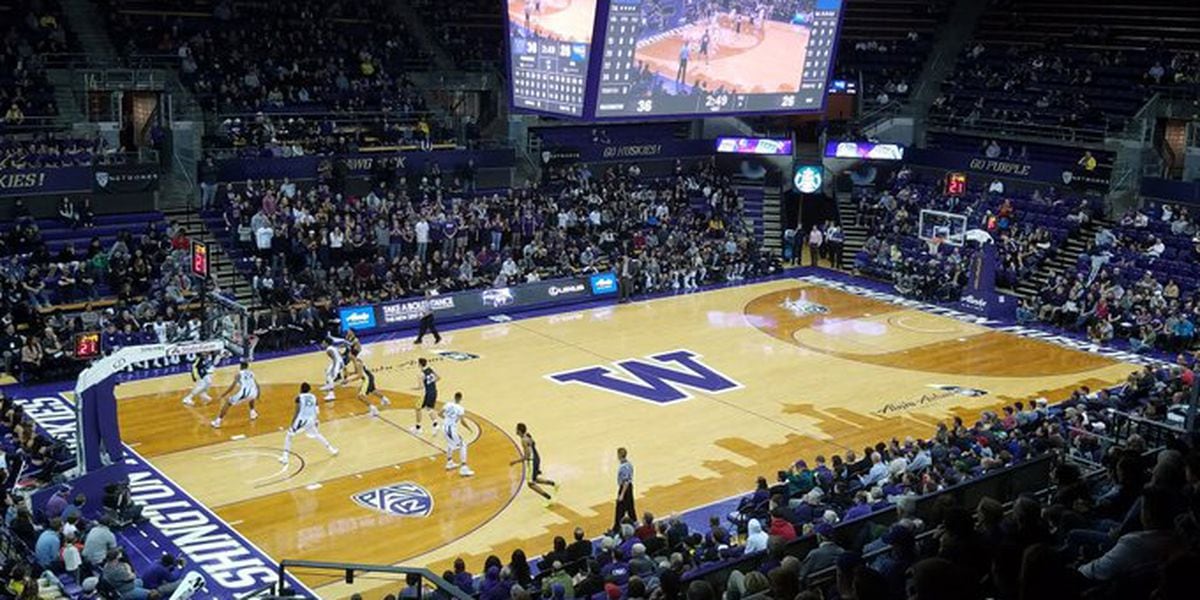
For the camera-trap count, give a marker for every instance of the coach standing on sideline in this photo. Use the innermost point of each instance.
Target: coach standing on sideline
(624, 490)
(427, 324)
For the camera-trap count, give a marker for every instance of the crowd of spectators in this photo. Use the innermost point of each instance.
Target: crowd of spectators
(1129, 531)
(1025, 226)
(1136, 284)
(471, 31)
(47, 150)
(674, 233)
(132, 287)
(66, 546)
(1053, 83)
(277, 56)
(263, 135)
(36, 29)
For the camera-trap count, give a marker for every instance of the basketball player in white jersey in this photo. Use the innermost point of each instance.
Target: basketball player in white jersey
(452, 415)
(305, 420)
(202, 372)
(247, 391)
(333, 373)
(349, 347)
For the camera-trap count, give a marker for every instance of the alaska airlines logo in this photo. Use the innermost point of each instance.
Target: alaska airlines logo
(944, 392)
(959, 390)
(650, 382)
(802, 307)
(405, 499)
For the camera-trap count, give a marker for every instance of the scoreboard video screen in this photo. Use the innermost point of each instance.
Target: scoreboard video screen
(549, 44)
(699, 57)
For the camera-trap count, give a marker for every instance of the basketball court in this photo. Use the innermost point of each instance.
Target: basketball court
(563, 20)
(772, 59)
(763, 374)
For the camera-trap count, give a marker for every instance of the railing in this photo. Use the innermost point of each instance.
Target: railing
(33, 124)
(123, 79)
(82, 60)
(1088, 137)
(1155, 433)
(1003, 485)
(878, 114)
(349, 572)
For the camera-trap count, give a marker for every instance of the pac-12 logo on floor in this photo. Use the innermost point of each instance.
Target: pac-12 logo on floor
(405, 499)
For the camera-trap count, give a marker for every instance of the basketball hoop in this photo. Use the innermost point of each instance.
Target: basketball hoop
(934, 243)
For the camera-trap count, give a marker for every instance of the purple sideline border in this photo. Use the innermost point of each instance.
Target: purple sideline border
(695, 518)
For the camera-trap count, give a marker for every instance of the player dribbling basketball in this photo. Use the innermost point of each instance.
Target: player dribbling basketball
(533, 460)
(452, 415)
(305, 419)
(333, 373)
(428, 383)
(202, 373)
(247, 391)
(367, 389)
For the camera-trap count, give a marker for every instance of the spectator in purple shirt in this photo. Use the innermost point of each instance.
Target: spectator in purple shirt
(860, 509)
(463, 578)
(168, 570)
(57, 504)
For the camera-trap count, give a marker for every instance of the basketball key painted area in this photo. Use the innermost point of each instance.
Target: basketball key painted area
(707, 391)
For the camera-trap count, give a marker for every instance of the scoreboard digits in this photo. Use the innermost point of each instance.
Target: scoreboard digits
(549, 55)
(677, 58)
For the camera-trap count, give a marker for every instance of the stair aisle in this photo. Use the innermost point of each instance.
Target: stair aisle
(856, 235)
(229, 279)
(1062, 261)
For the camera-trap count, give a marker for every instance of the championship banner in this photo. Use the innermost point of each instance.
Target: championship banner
(125, 179)
(55, 180)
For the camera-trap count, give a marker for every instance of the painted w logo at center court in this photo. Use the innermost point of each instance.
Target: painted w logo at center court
(650, 382)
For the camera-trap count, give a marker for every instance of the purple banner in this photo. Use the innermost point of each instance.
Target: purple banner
(306, 167)
(997, 167)
(979, 296)
(33, 182)
(628, 152)
(1185, 192)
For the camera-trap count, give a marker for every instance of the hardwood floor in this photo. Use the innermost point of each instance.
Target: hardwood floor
(826, 373)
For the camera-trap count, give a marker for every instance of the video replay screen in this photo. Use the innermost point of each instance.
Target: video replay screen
(682, 57)
(549, 48)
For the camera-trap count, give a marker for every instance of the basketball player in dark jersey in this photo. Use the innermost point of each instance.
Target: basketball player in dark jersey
(428, 382)
(349, 348)
(533, 460)
(367, 388)
(704, 46)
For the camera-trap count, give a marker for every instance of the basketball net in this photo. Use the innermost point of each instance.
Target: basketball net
(934, 242)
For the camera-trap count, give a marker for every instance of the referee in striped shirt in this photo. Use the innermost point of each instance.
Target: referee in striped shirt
(624, 490)
(427, 324)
